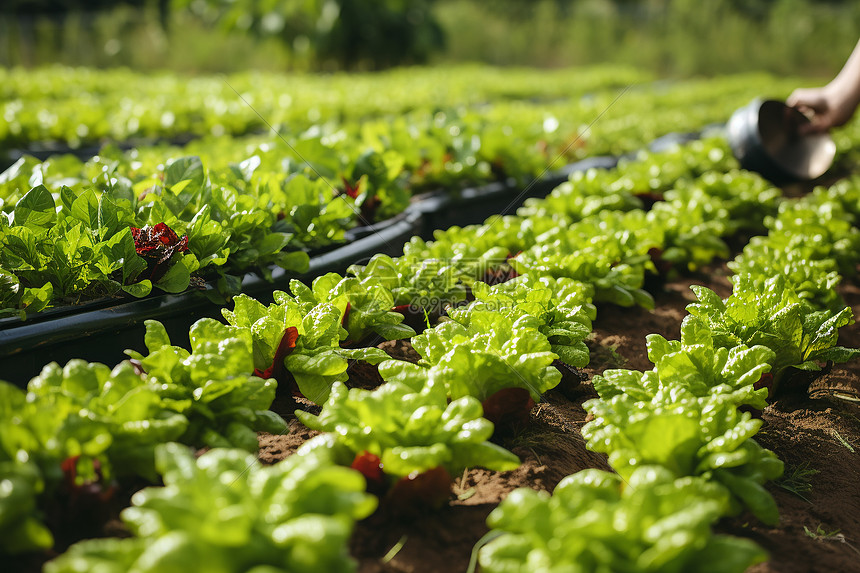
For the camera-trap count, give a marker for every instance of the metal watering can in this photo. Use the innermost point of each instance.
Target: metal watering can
(764, 136)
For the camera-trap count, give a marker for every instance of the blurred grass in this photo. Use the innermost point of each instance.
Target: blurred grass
(133, 38)
(672, 38)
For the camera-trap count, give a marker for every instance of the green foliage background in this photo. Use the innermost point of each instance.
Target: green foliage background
(670, 37)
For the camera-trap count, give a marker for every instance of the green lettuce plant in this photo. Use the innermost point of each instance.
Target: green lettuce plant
(846, 192)
(225, 512)
(21, 525)
(812, 242)
(380, 185)
(561, 306)
(288, 338)
(599, 521)
(812, 280)
(410, 431)
(83, 249)
(485, 353)
(212, 385)
(686, 434)
(747, 197)
(481, 252)
(85, 424)
(769, 312)
(425, 284)
(368, 308)
(828, 229)
(704, 368)
(77, 235)
(584, 194)
(113, 415)
(693, 225)
(609, 252)
(82, 424)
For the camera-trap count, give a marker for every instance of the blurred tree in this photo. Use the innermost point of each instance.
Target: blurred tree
(26, 16)
(344, 34)
(60, 9)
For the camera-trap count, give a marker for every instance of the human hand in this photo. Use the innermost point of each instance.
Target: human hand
(826, 107)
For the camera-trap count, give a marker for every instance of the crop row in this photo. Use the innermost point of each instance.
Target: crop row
(77, 242)
(126, 223)
(691, 416)
(75, 231)
(681, 436)
(499, 347)
(78, 106)
(70, 231)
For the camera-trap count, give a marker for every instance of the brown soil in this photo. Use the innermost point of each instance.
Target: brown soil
(819, 532)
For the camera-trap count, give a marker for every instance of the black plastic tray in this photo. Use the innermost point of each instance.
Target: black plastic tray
(87, 151)
(101, 334)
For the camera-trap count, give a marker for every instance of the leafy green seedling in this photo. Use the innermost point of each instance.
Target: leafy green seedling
(798, 480)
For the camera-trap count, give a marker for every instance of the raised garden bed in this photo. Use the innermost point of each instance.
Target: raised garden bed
(819, 527)
(101, 330)
(551, 447)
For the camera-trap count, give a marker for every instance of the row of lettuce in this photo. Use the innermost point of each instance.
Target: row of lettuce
(79, 106)
(66, 240)
(74, 230)
(126, 223)
(680, 436)
(518, 296)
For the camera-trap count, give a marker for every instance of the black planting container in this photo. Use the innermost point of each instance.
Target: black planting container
(102, 330)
